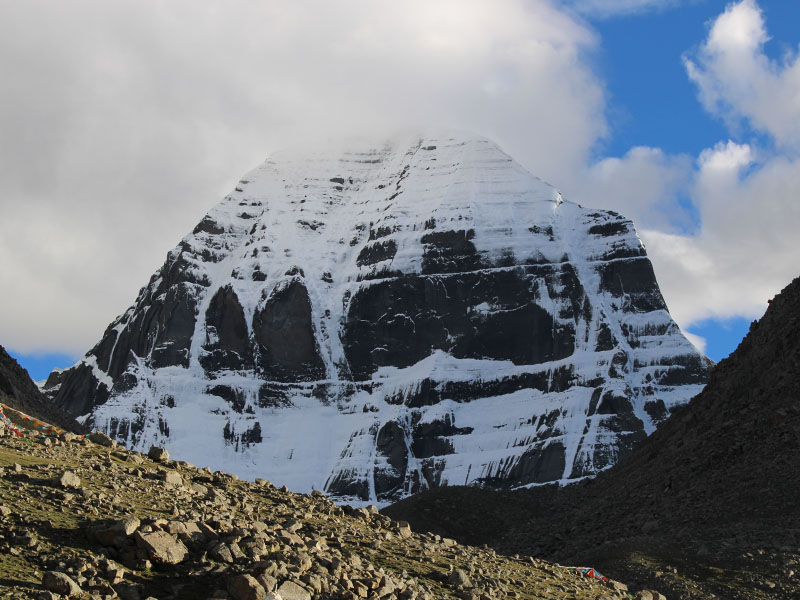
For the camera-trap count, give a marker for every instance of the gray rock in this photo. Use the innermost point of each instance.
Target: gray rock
(222, 553)
(289, 590)
(459, 579)
(246, 587)
(404, 529)
(117, 532)
(617, 586)
(69, 479)
(236, 551)
(161, 546)
(649, 595)
(128, 591)
(60, 584)
(173, 478)
(198, 488)
(128, 524)
(268, 582)
(158, 454)
(98, 437)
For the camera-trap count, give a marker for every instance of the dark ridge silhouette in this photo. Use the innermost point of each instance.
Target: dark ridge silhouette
(18, 391)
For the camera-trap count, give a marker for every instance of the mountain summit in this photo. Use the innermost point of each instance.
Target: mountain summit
(393, 317)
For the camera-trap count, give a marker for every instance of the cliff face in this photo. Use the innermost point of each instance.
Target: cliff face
(383, 319)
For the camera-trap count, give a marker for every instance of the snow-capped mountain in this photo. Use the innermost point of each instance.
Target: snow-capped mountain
(385, 318)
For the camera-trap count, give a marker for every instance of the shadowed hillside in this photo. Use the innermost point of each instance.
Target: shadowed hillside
(18, 391)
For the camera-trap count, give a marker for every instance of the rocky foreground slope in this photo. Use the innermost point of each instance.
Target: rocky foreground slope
(385, 318)
(91, 520)
(707, 507)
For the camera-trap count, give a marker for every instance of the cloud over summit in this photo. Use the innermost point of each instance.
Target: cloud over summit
(124, 122)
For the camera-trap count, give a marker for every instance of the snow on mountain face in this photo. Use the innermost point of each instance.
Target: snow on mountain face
(376, 321)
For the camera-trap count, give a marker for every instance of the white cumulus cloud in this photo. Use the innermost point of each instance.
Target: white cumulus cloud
(739, 246)
(737, 81)
(699, 342)
(644, 185)
(745, 250)
(124, 122)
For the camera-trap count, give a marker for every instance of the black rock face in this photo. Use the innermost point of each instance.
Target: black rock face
(227, 338)
(82, 384)
(391, 446)
(449, 252)
(285, 343)
(392, 319)
(399, 321)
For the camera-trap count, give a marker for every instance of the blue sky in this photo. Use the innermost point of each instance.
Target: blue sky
(653, 102)
(129, 122)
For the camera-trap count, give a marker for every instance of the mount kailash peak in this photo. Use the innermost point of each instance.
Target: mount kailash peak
(374, 321)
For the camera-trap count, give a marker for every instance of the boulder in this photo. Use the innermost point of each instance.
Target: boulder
(289, 590)
(69, 479)
(161, 546)
(221, 553)
(60, 584)
(267, 581)
(128, 524)
(172, 479)
(404, 529)
(98, 437)
(246, 587)
(116, 533)
(459, 578)
(128, 591)
(158, 454)
(617, 586)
